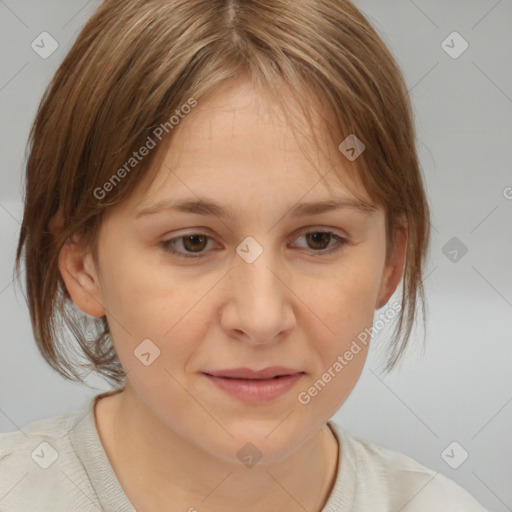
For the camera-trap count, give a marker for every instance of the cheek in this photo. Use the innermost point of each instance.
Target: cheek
(139, 291)
(144, 302)
(348, 296)
(345, 305)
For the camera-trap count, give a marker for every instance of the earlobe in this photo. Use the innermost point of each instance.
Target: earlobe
(394, 269)
(80, 278)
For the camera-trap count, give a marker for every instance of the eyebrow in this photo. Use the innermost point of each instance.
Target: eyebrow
(212, 208)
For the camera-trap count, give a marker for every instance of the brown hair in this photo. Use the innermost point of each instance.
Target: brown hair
(135, 63)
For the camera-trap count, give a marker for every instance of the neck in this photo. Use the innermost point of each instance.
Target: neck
(171, 469)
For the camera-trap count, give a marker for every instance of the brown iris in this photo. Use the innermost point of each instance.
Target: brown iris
(318, 237)
(190, 242)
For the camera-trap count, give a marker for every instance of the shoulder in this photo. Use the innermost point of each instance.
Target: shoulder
(50, 431)
(39, 466)
(402, 482)
(14, 446)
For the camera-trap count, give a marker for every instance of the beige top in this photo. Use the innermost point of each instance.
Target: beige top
(58, 464)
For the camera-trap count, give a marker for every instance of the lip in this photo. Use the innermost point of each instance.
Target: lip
(247, 373)
(256, 391)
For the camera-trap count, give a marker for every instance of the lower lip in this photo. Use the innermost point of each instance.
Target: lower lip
(256, 391)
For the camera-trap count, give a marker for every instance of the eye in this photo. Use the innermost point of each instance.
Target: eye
(193, 244)
(319, 239)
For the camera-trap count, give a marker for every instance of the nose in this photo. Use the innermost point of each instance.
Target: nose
(258, 306)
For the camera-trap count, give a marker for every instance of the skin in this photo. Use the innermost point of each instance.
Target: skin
(171, 436)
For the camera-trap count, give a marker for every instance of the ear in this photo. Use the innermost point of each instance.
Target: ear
(81, 278)
(394, 267)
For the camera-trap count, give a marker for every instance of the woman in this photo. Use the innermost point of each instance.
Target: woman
(228, 191)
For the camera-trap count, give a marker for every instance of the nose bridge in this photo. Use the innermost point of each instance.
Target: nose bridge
(258, 296)
(257, 271)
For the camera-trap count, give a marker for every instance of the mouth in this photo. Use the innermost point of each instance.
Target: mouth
(255, 387)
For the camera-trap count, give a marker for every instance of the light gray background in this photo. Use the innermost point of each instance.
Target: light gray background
(461, 389)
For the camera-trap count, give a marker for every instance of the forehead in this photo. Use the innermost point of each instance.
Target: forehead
(240, 120)
(237, 139)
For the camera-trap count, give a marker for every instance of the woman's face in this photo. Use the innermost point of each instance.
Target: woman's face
(255, 288)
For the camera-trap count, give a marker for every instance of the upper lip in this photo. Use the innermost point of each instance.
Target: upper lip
(247, 373)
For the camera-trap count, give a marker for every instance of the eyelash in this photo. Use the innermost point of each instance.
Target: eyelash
(340, 242)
